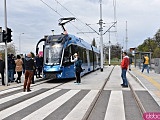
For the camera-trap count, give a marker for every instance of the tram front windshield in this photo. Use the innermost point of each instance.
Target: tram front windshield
(53, 54)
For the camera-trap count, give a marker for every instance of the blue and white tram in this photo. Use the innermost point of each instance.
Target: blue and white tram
(57, 54)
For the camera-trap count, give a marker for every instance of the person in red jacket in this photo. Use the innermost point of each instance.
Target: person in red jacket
(124, 67)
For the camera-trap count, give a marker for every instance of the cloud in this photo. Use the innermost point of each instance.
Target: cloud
(36, 19)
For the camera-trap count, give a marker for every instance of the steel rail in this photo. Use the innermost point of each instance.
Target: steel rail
(139, 103)
(91, 107)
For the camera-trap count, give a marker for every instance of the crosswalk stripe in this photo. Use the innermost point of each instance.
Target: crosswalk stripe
(9, 90)
(5, 113)
(115, 111)
(6, 99)
(79, 111)
(67, 106)
(50, 107)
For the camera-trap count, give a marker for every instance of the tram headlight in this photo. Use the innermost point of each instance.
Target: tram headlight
(44, 69)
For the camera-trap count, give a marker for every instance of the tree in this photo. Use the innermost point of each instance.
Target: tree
(115, 51)
(151, 45)
(157, 37)
(10, 49)
(148, 45)
(156, 53)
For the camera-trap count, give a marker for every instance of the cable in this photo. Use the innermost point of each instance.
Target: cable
(73, 15)
(114, 5)
(62, 16)
(51, 8)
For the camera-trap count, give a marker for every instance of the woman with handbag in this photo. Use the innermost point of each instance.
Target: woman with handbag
(19, 68)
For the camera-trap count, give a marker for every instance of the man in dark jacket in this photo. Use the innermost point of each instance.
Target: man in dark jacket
(2, 67)
(11, 67)
(29, 67)
(39, 65)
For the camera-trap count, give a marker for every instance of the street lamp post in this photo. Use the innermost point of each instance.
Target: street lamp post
(109, 57)
(20, 42)
(101, 35)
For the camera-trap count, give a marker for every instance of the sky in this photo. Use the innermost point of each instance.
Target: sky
(31, 20)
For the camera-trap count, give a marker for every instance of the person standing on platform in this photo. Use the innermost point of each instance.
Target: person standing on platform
(34, 68)
(22, 57)
(11, 68)
(39, 65)
(78, 69)
(145, 63)
(19, 68)
(2, 67)
(29, 66)
(130, 63)
(124, 67)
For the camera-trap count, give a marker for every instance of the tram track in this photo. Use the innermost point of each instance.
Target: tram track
(139, 103)
(146, 101)
(134, 94)
(141, 107)
(89, 111)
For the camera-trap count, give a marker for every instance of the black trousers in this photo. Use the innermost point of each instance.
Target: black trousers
(78, 77)
(19, 75)
(38, 72)
(2, 75)
(34, 72)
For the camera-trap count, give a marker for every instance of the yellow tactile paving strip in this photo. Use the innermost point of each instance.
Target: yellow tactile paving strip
(157, 93)
(151, 80)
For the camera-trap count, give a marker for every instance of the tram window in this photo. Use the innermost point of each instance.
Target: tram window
(66, 58)
(66, 55)
(74, 49)
(53, 54)
(80, 52)
(91, 56)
